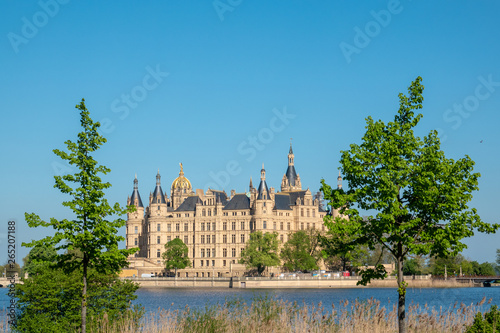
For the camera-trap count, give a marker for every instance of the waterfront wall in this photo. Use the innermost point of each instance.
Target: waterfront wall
(311, 282)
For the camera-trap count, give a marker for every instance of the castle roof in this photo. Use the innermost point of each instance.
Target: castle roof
(189, 205)
(135, 195)
(263, 189)
(181, 182)
(158, 192)
(291, 174)
(294, 195)
(282, 201)
(239, 201)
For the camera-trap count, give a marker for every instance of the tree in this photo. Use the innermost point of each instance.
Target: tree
(261, 251)
(39, 259)
(497, 269)
(412, 267)
(176, 255)
(339, 254)
(49, 301)
(96, 237)
(301, 252)
(418, 195)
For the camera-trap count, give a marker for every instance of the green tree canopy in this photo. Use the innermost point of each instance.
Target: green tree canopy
(419, 196)
(40, 258)
(90, 232)
(412, 267)
(301, 252)
(261, 251)
(176, 255)
(50, 301)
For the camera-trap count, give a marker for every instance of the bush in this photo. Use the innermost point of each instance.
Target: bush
(489, 324)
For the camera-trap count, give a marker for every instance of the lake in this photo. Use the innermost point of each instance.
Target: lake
(154, 298)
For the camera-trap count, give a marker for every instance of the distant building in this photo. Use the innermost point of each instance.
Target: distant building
(214, 226)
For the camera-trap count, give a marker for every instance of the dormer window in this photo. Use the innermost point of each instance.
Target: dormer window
(158, 201)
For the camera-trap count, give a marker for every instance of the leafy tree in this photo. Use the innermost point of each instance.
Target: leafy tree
(39, 259)
(261, 251)
(176, 255)
(11, 269)
(339, 254)
(489, 324)
(418, 195)
(301, 252)
(486, 269)
(96, 237)
(49, 301)
(412, 267)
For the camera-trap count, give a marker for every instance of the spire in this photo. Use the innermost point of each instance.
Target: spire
(263, 173)
(181, 173)
(158, 192)
(251, 184)
(135, 198)
(339, 181)
(290, 155)
(263, 189)
(291, 150)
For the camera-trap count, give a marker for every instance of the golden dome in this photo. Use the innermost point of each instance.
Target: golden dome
(181, 181)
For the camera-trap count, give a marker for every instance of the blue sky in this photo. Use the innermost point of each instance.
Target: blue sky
(222, 86)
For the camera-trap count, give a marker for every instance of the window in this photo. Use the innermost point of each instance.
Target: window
(288, 226)
(158, 240)
(307, 225)
(136, 229)
(208, 253)
(241, 251)
(135, 241)
(281, 238)
(213, 263)
(213, 226)
(242, 238)
(233, 252)
(233, 225)
(186, 215)
(203, 227)
(169, 239)
(158, 207)
(242, 225)
(313, 226)
(185, 239)
(264, 225)
(208, 239)
(213, 239)
(213, 252)
(209, 212)
(224, 238)
(224, 226)
(281, 225)
(223, 263)
(274, 225)
(302, 212)
(158, 254)
(185, 227)
(158, 227)
(169, 227)
(149, 239)
(202, 253)
(307, 212)
(314, 213)
(233, 238)
(208, 226)
(177, 227)
(201, 265)
(302, 226)
(202, 239)
(224, 253)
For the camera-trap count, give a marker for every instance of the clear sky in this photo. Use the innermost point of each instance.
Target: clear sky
(222, 86)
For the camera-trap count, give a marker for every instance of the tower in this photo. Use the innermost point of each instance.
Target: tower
(181, 189)
(291, 180)
(339, 181)
(135, 220)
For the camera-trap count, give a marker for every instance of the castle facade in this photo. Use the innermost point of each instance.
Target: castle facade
(214, 226)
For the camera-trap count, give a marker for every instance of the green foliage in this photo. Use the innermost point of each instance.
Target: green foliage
(10, 269)
(412, 267)
(454, 263)
(39, 259)
(301, 252)
(490, 323)
(90, 232)
(261, 251)
(176, 255)
(420, 197)
(50, 301)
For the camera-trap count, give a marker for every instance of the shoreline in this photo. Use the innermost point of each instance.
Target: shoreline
(275, 283)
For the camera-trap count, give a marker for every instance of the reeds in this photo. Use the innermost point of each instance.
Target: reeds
(269, 314)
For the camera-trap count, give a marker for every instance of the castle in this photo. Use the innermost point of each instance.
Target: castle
(215, 226)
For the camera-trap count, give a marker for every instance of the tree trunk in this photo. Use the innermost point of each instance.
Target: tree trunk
(84, 294)
(401, 297)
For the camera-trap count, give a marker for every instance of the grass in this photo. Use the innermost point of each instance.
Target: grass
(267, 314)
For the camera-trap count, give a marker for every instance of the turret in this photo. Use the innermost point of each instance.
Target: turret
(291, 180)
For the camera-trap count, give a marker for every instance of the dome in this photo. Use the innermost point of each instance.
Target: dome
(181, 182)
